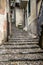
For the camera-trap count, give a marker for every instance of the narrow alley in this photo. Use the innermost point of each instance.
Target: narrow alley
(21, 32)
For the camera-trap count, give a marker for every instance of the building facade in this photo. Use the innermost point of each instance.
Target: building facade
(22, 12)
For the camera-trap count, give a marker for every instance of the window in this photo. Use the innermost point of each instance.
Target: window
(29, 7)
(17, 5)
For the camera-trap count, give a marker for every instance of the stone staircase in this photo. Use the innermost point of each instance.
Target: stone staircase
(21, 49)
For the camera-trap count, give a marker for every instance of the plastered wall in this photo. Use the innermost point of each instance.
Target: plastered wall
(3, 20)
(19, 16)
(32, 24)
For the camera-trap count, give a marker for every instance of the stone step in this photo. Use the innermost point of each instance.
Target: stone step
(20, 43)
(22, 63)
(22, 57)
(23, 42)
(20, 31)
(13, 51)
(23, 38)
(20, 46)
(17, 32)
(4, 51)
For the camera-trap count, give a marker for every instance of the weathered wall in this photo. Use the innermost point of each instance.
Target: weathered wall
(19, 16)
(30, 22)
(31, 19)
(3, 21)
